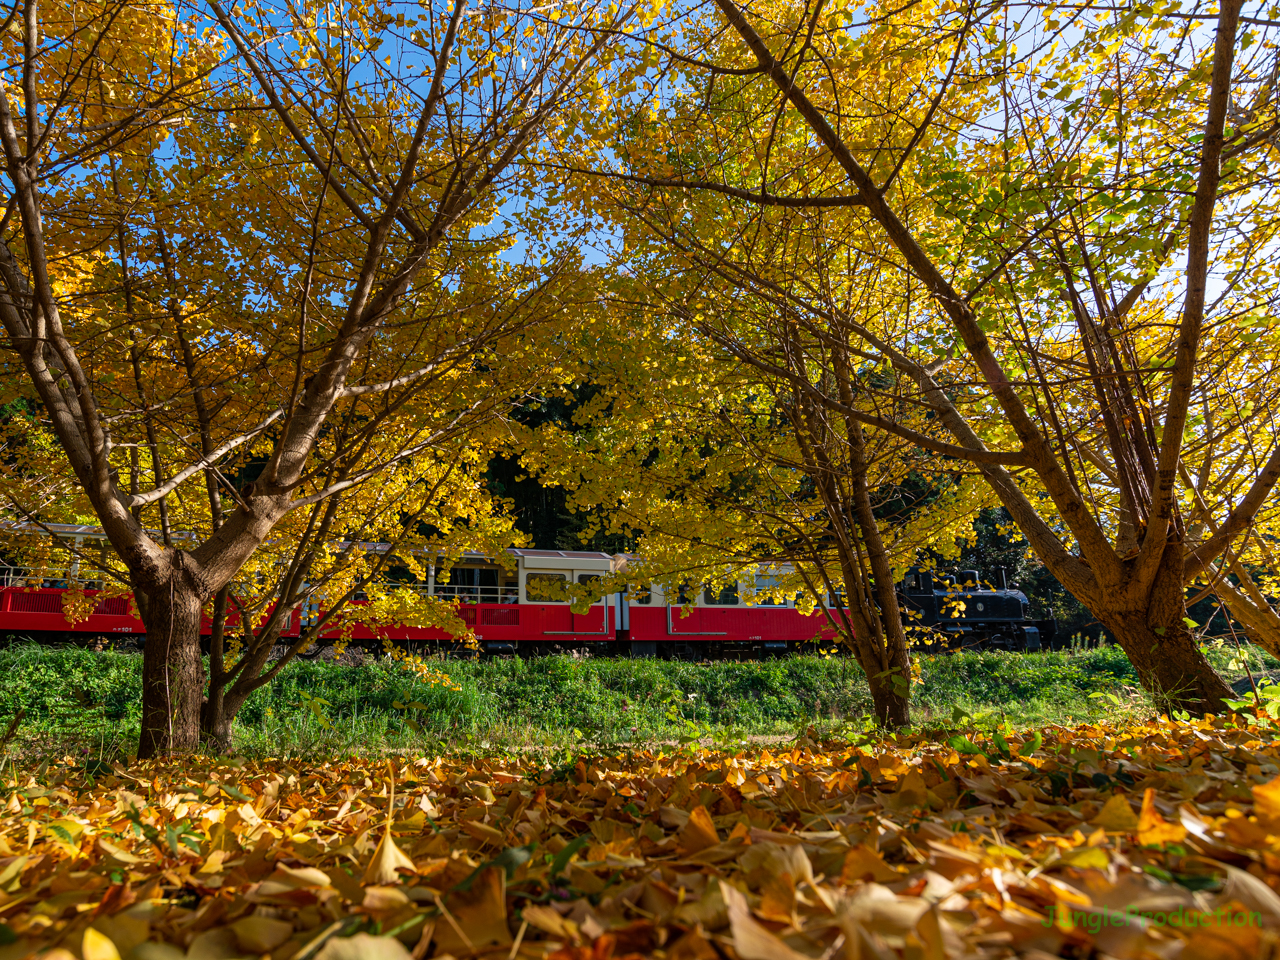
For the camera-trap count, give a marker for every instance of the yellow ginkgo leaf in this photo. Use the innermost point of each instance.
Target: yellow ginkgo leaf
(699, 832)
(1153, 829)
(98, 946)
(387, 862)
(1116, 815)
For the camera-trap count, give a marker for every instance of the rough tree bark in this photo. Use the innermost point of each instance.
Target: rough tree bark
(172, 667)
(1153, 633)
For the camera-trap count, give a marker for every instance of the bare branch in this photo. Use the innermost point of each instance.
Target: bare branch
(166, 488)
(760, 197)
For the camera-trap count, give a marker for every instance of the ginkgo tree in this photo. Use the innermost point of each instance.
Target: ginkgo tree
(1070, 216)
(723, 475)
(271, 251)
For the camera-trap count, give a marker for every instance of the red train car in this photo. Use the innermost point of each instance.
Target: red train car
(509, 609)
(37, 611)
(721, 622)
(518, 610)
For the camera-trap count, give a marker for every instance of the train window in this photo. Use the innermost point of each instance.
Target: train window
(401, 575)
(642, 594)
(590, 580)
(470, 584)
(765, 583)
(910, 582)
(543, 587)
(726, 597)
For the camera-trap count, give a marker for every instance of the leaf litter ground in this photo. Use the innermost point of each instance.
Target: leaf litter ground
(1153, 840)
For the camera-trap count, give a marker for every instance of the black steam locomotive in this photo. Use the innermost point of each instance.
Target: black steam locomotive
(961, 612)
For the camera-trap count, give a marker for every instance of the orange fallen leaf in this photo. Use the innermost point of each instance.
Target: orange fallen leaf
(1266, 804)
(863, 863)
(750, 939)
(475, 919)
(699, 832)
(483, 832)
(1153, 829)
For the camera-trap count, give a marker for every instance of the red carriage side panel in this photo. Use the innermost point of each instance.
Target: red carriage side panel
(39, 610)
(501, 623)
(547, 618)
(741, 624)
(557, 623)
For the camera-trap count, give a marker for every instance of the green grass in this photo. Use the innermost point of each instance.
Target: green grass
(89, 702)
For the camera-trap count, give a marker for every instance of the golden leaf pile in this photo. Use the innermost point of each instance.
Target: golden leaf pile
(1156, 840)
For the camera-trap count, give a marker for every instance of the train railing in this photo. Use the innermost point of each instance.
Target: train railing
(463, 593)
(46, 578)
(63, 578)
(470, 594)
(60, 578)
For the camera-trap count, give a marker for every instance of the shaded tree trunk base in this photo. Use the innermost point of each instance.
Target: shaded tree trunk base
(1172, 667)
(1162, 649)
(217, 714)
(215, 726)
(891, 689)
(172, 671)
(892, 708)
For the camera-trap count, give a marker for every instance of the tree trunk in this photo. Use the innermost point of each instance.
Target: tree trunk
(892, 702)
(216, 716)
(215, 723)
(172, 670)
(1162, 649)
(892, 698)
(229, 688)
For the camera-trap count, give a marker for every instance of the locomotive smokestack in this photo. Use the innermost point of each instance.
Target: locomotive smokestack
(1001, 583)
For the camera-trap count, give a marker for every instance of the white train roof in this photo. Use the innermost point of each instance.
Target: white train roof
(561, 554)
